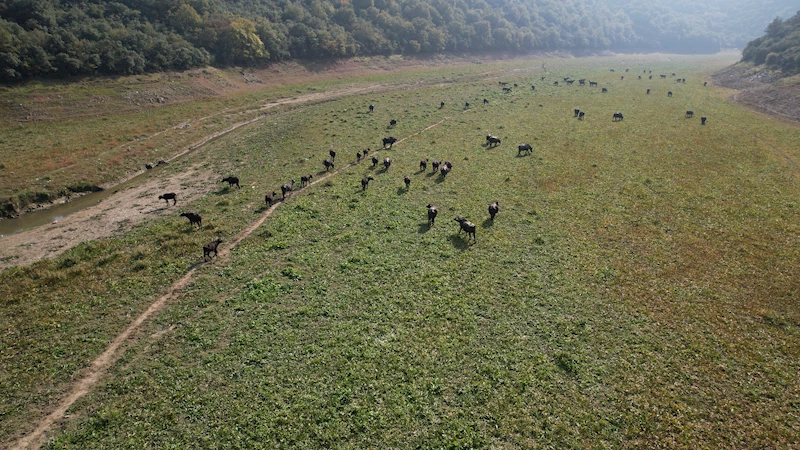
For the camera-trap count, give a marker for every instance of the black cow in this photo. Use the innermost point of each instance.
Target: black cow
(387, 162)
(485, 102)
(466, 226)
(392, 123)
(432, 212)
(577, 111)
(194, 219)
(389, 140)
(371, 108)
(328, 165)
(365, 181)
(492, 141)
(669, 94)
(526, 148)
(231, 181)
(592, 83)
(580, 115)
(286, 187)
(441, 105)
(305, 180)
(211, 247)
(333, 154)
(169, 196)
(703, 120)
(617, 117)
(648, 92)
(689, 114)
(506, 90)
(604, 90)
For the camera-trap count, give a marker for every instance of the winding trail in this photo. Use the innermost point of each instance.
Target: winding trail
(94, 373)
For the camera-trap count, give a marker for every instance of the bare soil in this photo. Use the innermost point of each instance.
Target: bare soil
(762, 90)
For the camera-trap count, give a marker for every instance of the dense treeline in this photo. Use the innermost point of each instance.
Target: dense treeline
(779, 48)
(67, 37)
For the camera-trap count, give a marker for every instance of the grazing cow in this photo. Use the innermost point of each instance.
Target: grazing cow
(407, 181)
(286, 187)
(328, 165)
(650, 77)
(648, 92)
(515, 84)
(582, 81)
(371, 108)
(617, 117)
(467, 227)
(502, 83)
(640, 77)
(389, 140)
(169, 196)
(387, 162)
(703, 120)
(612, 70)
(526, 148)
(466, 105)
(533, 88)
(555, 83)
(333, 154)
(444, 170)
(604, 90)
(492, 141)
(231, 181)
(441, 105)
(592, 83)
(432, 212)
(673, 74)
(506, 90)
(435, 165)
(570, 81)
(269, 199)
(305, 180)
(211, 247)
(580, 115)
(374, 161)
(577, 111)
(194, 219)
(365, 182)
(689, 114)
(392, 123)
(669, 94)
(423, 164)
(663, 76)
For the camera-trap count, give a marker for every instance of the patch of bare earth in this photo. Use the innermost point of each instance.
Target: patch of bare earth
(113, 215)
(762, 90)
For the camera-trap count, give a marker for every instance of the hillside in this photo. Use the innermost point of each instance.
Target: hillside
(779, 48)
(55, 38)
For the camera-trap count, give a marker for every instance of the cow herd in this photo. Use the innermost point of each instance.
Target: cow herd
(210, 249)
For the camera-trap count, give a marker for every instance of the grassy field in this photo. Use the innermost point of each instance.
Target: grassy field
(638, 289)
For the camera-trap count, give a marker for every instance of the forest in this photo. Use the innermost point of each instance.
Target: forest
(59, 38)
(779, 48)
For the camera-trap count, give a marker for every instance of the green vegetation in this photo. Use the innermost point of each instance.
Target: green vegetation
(779, 49)
(59, 38)
(637, 290)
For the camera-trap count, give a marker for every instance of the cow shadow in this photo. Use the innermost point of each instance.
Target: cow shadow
(223, 191)
(459, 242)
(430, 174)
(488, 223)
(402, 191)
(423, 227)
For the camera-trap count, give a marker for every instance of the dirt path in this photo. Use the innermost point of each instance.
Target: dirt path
(115, 350)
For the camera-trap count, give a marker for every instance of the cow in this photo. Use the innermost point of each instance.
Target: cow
(392, 123)
(577, 111)
(506, 90)
(689, 114)
(669, 94)
(524, 148)
(648, 92)
(617, 117)
(492, 141)
(580, 115)
(604, 90)
(592, 83)
(371, 108)
(328, 164)
(389, 140)
(703, 120)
